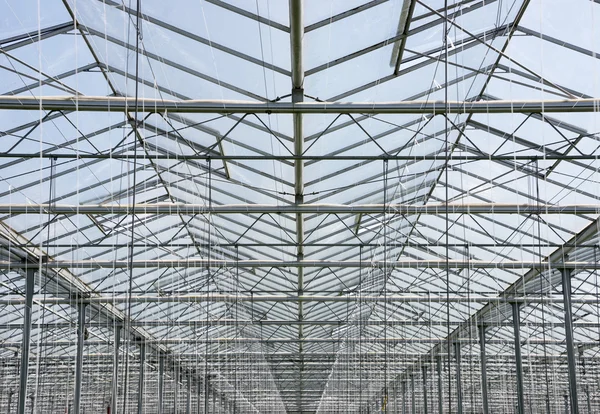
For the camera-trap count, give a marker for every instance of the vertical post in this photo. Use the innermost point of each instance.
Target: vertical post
(566, 282)
(412, 395)
(161, 382)
(188, 407)
(425, 390)
(206, 394)
(10, 394)
(587, 388)
(79, 359)
(403, 397)
(199, 396)
(484, 383)
(214, 401)
(29, 278)
(176, 398)
(518, 360)
(142, 378)
(459, 394)
(115, 378)
(440, 389)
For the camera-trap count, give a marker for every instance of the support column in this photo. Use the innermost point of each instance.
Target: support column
(29, 287)
(142, 378)
(586, 386)
(10, 394)
(518, 359)
(566, 282)
(188, 406)
(206, 394)
(459, 394)
(425, 411)
(440, 389)
(115, 378)
(176, 398)
(161, 382)
(79, 359)
(413, 404)
(396, 398)
(403, 397)
(484, 383)
(296, 10)
(199, 396)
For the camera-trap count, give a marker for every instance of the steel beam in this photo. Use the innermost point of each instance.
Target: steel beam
(202, 297)
(406, 16)
(568, 312)
(459, 390)
(203, 263)
(188, 403)
(25, 343)
(403, 397)
(296, 11)
(518, 359)
(484, 384)
(142, 378)
(150, 105)
(176, 386)
(81, 329)
(413, 402)
(424, 370)
(115, 377)
(198, 397)
(440, 395)
(300, 208)
(161, 382)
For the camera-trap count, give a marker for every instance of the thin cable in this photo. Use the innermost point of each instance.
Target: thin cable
(446, 139)
(127, 321)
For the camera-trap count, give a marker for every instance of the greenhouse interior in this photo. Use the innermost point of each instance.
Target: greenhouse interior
(300, 206)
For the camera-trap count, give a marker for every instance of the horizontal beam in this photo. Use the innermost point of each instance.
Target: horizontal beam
(192, 209)
(198, 263)
(285, 340)
(149, 105)
(306, 157)
(277, 322)
(390, 298)
(244, 358)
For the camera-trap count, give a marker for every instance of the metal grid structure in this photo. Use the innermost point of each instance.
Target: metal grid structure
(303, 206)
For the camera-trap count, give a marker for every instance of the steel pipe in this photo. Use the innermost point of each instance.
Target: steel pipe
(150, 105)
(568, 317)
(290, 340)
(215, 263)
(518, 359)
(25, 344)
(300, 208)
(588, 300)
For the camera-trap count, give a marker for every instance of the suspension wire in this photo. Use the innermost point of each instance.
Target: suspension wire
(209, 276)
(360, 306)
(127, 321)
(544, 348)
(42, 329)
(385, 293)
(237, 324)
(447, 160)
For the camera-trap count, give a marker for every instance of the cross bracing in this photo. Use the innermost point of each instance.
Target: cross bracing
(302, 206)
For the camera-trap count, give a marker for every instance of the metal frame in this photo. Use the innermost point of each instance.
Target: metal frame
(318, 257)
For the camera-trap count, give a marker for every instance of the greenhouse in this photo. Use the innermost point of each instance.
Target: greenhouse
(300, 206)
